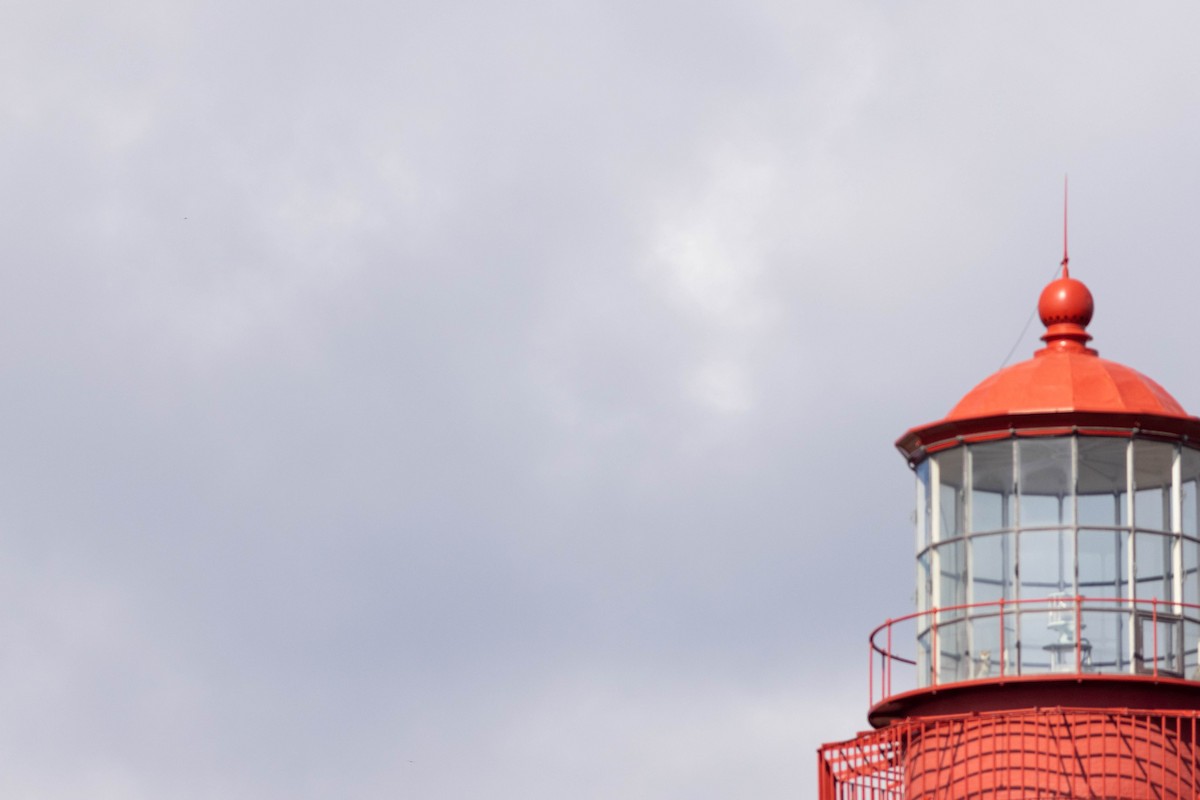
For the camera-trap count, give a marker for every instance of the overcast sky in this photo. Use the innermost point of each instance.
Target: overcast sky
(446, 400)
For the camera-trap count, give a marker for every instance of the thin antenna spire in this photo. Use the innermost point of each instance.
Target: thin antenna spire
(1066, 258)
(1065, 274)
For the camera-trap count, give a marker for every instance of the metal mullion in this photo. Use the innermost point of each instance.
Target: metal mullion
(964, 539)
(935, 560)
(1014, 482)
(1075, 519)
(1131, 561)
(1177, 533)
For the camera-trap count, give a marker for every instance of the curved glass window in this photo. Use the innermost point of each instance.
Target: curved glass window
(993, 493)
(1059, 554)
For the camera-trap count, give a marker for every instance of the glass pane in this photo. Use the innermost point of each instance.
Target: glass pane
(1190, 470)
(986, 657)
(1191, 635)
(954, 663)
(1104, 646)
(923, 501)
(987, 511)
(1187, 496)
(952, 566)
(923, 660)
(1191, 566)
(1152, 558)
(1045, 466)
(1152, 462)
(1159, 642)
(950, 493)
(951, 648)
(992, 486)
(1046, 563)
(1102, 563)
(992, 568)
(1046, 640)
(924, 581)
(1101, 480)
(1099, 509)
(1045, 482)
(1149, 509)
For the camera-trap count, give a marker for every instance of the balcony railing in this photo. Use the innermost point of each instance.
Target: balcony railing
(1057, 634)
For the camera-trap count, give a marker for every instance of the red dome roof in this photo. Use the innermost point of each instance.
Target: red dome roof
(1065, 387)
(1063, 382)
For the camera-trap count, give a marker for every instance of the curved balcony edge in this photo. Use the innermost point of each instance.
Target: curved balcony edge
(1006, 641)
(1125, 692)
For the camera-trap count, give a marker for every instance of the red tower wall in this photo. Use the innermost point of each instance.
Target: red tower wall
(1038, 754)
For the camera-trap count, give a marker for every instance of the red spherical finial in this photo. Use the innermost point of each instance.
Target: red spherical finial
(1066, 300)
(1066, 308)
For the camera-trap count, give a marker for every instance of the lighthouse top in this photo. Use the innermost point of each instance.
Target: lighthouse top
(1066, 387)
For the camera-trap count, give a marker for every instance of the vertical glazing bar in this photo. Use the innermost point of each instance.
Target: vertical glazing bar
(1131, 562)
(1176, 503)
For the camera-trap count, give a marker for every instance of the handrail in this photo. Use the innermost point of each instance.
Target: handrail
(1013, 530)
(968, 612)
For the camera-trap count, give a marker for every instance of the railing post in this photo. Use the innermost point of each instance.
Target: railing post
(1078, 634)
(871, 672)
(1154, 624)
(887, 691)
(933, 658)
(1003, 652)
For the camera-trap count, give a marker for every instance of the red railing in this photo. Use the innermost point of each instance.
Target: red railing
(1141, 656)
(1019, 755)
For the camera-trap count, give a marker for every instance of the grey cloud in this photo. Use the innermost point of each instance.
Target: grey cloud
(447, 400)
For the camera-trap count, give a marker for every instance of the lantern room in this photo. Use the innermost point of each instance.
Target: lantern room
(1057, 524)
(1053, 554)
(1053, 651)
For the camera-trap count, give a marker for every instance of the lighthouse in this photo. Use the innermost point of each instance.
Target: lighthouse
(1053, 650)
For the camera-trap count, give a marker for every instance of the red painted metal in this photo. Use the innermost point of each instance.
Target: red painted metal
(888, 687)
(1154, 625)
(1053, 730)
(1044, 753)
(1003, 660)
(1064, 387)
(871, 674)
(1079, 639)
(889, 657)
